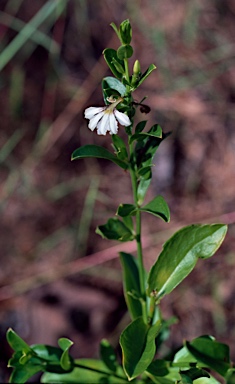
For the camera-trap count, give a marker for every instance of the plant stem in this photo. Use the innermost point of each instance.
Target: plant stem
(138, 215)
(126, 70)
(138, 238)
(78, 365)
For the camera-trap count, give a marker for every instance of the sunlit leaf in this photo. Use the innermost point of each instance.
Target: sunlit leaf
(180, 254)
(87, 371)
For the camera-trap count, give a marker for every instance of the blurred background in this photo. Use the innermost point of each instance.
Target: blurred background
(57, 277)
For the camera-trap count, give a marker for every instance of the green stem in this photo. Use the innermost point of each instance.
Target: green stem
(126, 70)
(152, 307)
(138, 215)
(78, 365)
(138, 239)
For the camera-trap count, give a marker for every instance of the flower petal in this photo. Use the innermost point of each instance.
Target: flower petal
(92, 111)
(113, 125)
(103, 125)
(94, 121)
(122, 118)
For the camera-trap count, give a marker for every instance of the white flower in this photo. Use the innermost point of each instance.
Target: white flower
(106, 119)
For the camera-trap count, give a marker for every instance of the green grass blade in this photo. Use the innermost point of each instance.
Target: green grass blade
(30, 28)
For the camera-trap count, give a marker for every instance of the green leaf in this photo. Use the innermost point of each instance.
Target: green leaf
(65, 360)
(21, 375)
(142, 189)
(145, 172)
(183, 356)
(127, 220)
(120, 147)
(146, 148)
(142, 337)
(112, 86)
(15, 341)
(146, 73)
(124, 52)
(65, 343)
(113, 25)
(97, 152)
(108, 355)
(115, 229)
(208, 351)
(126, 210)
(140, 126)
(158, 368)
(180, 254)
(158, 207)
(155, 131)
(54, 359)
(86, 372)
(125, 32)
(131, 284)
(189, 375)
(206, 380)
(110, 55)
(230, 376)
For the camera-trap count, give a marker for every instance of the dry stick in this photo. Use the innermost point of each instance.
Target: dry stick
(48, 276)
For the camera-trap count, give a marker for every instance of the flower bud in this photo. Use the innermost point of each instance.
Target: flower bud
(136, 68)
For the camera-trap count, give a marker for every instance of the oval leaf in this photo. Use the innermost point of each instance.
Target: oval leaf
(131, 285)
(108, 355)
(15, 341)
(120, 147)
(126, 210)
(142, 337)
(140, 126)
(125, 32)
(110, 55)
(109, 84)
(115, 229)
(97, 152)
(124, 52)
(158, 207)
(208, 351)
(180, 254)
(22, 375)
